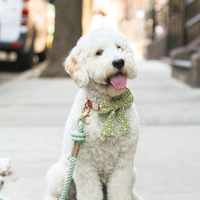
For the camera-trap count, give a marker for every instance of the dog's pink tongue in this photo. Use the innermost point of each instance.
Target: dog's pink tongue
(118, 81)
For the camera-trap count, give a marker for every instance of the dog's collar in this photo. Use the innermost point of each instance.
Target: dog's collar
(113, 109)
(93, 105)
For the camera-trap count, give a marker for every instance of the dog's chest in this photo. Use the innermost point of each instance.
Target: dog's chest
(104, 151)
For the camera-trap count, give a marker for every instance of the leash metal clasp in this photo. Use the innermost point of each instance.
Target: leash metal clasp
(85, 113)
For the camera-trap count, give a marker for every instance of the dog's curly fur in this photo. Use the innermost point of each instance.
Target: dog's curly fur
(102, 160)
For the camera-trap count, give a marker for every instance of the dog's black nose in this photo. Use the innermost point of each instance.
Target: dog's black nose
(118, 63)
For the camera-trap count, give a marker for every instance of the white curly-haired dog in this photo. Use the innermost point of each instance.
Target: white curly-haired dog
(100, 65)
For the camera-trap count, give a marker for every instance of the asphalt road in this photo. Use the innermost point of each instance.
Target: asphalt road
(6, 76)
(9, 74)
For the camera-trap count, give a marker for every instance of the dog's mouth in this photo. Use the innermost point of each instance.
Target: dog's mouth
(118, 81)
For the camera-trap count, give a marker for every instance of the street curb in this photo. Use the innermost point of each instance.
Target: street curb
(30, 73)
(33, 72)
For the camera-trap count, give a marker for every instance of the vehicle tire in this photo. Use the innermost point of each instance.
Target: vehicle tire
(25, 61)
(42, 56)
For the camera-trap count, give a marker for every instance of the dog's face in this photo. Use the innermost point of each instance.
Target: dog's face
(104, 59)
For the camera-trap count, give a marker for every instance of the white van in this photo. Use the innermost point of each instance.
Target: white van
(23, 32)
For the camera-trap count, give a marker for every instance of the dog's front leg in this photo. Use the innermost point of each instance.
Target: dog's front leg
(56, 177)
(87, 182)
(120, 184)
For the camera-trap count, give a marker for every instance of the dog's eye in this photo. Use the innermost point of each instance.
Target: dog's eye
(119, 47)
(99, 53)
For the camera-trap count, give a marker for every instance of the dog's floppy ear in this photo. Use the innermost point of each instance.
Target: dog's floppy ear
(75, 70)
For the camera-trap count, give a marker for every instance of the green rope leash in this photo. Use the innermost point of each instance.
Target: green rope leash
(78, 136)
(69, 178)
(1, 183)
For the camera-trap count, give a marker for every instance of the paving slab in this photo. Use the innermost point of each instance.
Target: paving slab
(167, 161)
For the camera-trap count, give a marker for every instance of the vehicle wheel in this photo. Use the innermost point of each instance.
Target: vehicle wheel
(42, 56)
(25, 61)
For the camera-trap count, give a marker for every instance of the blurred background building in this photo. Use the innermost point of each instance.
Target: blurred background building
(173, 28)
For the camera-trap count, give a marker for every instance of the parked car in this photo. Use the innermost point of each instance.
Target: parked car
(23, 32)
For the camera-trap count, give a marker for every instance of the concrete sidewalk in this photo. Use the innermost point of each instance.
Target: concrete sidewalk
(33, 114)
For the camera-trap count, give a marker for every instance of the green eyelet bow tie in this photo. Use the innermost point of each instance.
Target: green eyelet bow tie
(113, 108)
